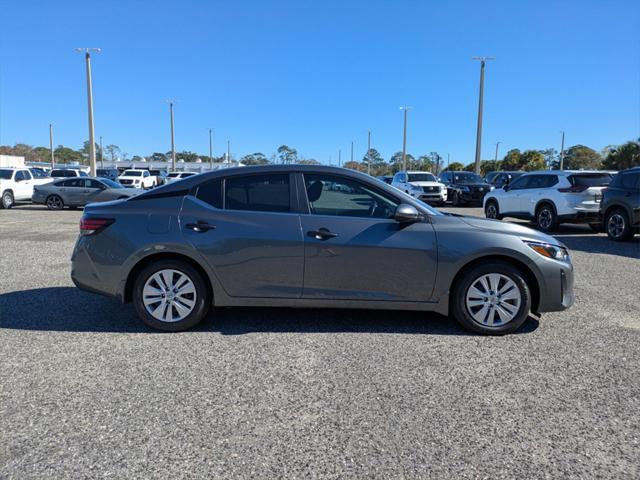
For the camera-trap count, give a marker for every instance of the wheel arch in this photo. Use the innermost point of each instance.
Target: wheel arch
(143, 262)
(547, 201)
(530, 277)
(617, 206)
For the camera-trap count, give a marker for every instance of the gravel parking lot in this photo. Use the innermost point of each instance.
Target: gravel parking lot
(86, 391)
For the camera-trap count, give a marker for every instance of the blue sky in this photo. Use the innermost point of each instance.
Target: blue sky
(317, 75)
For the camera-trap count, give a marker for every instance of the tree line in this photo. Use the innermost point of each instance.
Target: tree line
(613, 157)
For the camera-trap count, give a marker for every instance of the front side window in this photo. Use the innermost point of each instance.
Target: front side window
(19, 176)
(111, 183)
(519, 183)
(260, 193)
(343, 197)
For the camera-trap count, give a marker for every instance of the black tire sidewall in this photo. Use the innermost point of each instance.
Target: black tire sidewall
(495, 204)
(627, 233)
(458, 294)
(554, 218)
(203, 296)
(54, 196)
(10, 203)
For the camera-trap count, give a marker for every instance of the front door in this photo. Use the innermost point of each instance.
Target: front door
(355, 250)
(245, 229)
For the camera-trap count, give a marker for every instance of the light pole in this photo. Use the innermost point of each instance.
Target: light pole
(480, 105)
(404, 139)
(211, 148)
(369, 152)
(562, 151)
(496, 158)
(173, 143)
(351, 151)
(339, 158)
(53, 159)
(92, 145)
(228, 151)
(101, 154)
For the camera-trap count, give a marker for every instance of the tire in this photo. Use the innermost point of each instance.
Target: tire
(546, 218)
(508, 313)
(492, 210)
(54, 202)
(596, 227)
(617, 225)
(7, 200)
(196, 304)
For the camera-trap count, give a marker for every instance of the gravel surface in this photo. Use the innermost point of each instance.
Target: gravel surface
(86, 391)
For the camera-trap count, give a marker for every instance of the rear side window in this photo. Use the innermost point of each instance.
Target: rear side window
(590, 179)
(260, 193)
(631, 180)
(211, 193)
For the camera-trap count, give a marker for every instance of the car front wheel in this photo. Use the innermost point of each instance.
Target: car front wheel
(7, 200)
(546, 218)
(492, 298)
(171, 295)
(491, 210)
(617, 226)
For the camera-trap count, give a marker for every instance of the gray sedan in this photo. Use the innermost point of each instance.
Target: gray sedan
(316, 237)
(79, 191)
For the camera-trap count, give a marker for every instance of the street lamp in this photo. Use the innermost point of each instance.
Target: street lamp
(173, 144)
(406, 108)
(480, 106)
(92, 146)
(497, 143)
(53, 160)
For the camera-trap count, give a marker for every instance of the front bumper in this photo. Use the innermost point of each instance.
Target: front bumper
(556, 287)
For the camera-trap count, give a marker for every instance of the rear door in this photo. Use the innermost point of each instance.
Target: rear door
(245, 228)
(355, 250)
(73, 192)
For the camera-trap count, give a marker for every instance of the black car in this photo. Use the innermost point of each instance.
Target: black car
(465, 187)
(110, 173)
(620, 205)
(500, 179)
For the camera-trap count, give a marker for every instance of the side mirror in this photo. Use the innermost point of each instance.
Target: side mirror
(406, 214)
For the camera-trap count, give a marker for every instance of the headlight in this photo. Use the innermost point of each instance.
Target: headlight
(550, 251)
(492, 187)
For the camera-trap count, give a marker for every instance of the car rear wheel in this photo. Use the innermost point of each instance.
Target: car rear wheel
(171, 295)
(491, 210)
(455, 199)
(7, 200)
(617, 225)
(546, 218)
(492, 298)
(54, 202)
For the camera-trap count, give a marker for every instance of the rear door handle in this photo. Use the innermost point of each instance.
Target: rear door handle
(322, 234)
(200, 226)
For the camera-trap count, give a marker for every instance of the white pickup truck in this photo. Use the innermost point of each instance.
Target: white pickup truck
(16, 184)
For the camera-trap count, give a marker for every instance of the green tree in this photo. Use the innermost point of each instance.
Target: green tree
(396, 162)
(67, 155)
(113, 151)
(157, 157)
(550, 156)
(531, 160)
(254, 159)
(512, 160)
(187, 156)
(308, 161)
(287, 155)
(580, 156)
(454, 167)
(623, 156)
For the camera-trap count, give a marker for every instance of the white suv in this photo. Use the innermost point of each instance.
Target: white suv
(137, 179)
(16, 184)
(551, 197)
(421, 185)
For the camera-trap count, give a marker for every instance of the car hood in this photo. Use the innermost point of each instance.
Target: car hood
(510, 229)
(427, 184)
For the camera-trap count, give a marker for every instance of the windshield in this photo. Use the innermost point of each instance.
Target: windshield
(467, 177)
(132, 173)
(421, 177)
(6, 174)
(111, 183)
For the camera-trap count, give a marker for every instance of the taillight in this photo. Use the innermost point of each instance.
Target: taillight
(89, 226)
(573, 189)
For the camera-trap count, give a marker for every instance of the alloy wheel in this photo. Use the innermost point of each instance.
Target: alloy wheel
(54, 202)
(616, 225)
(545, 218)
(493, 300)
(169, 295)
(7, 200)
(492, 211)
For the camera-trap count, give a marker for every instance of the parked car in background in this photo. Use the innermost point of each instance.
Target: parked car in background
(421, 185)
(549, 198)
(137, 179)
(16, 185)
(174, 176)
(500, 179)
(464, 188)
(110, 173)
(620, 205)
(281, 236)
(159, 175)
(38, 172)
(67, 172)
(386, 179)
(79, 191)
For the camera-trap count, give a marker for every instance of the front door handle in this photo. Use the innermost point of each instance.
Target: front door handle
(200, 226)
(322, 234)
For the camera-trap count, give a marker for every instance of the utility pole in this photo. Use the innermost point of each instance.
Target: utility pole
(173, 143)
(351, 151)
(448, 160)
(496, 158)
(228, 150)
(101, 154)
(211, 148)
(92, 145)
(53, 159)
(404, 139)
(562, 152)
(369, 153)
(339, 158)
(480, 107)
